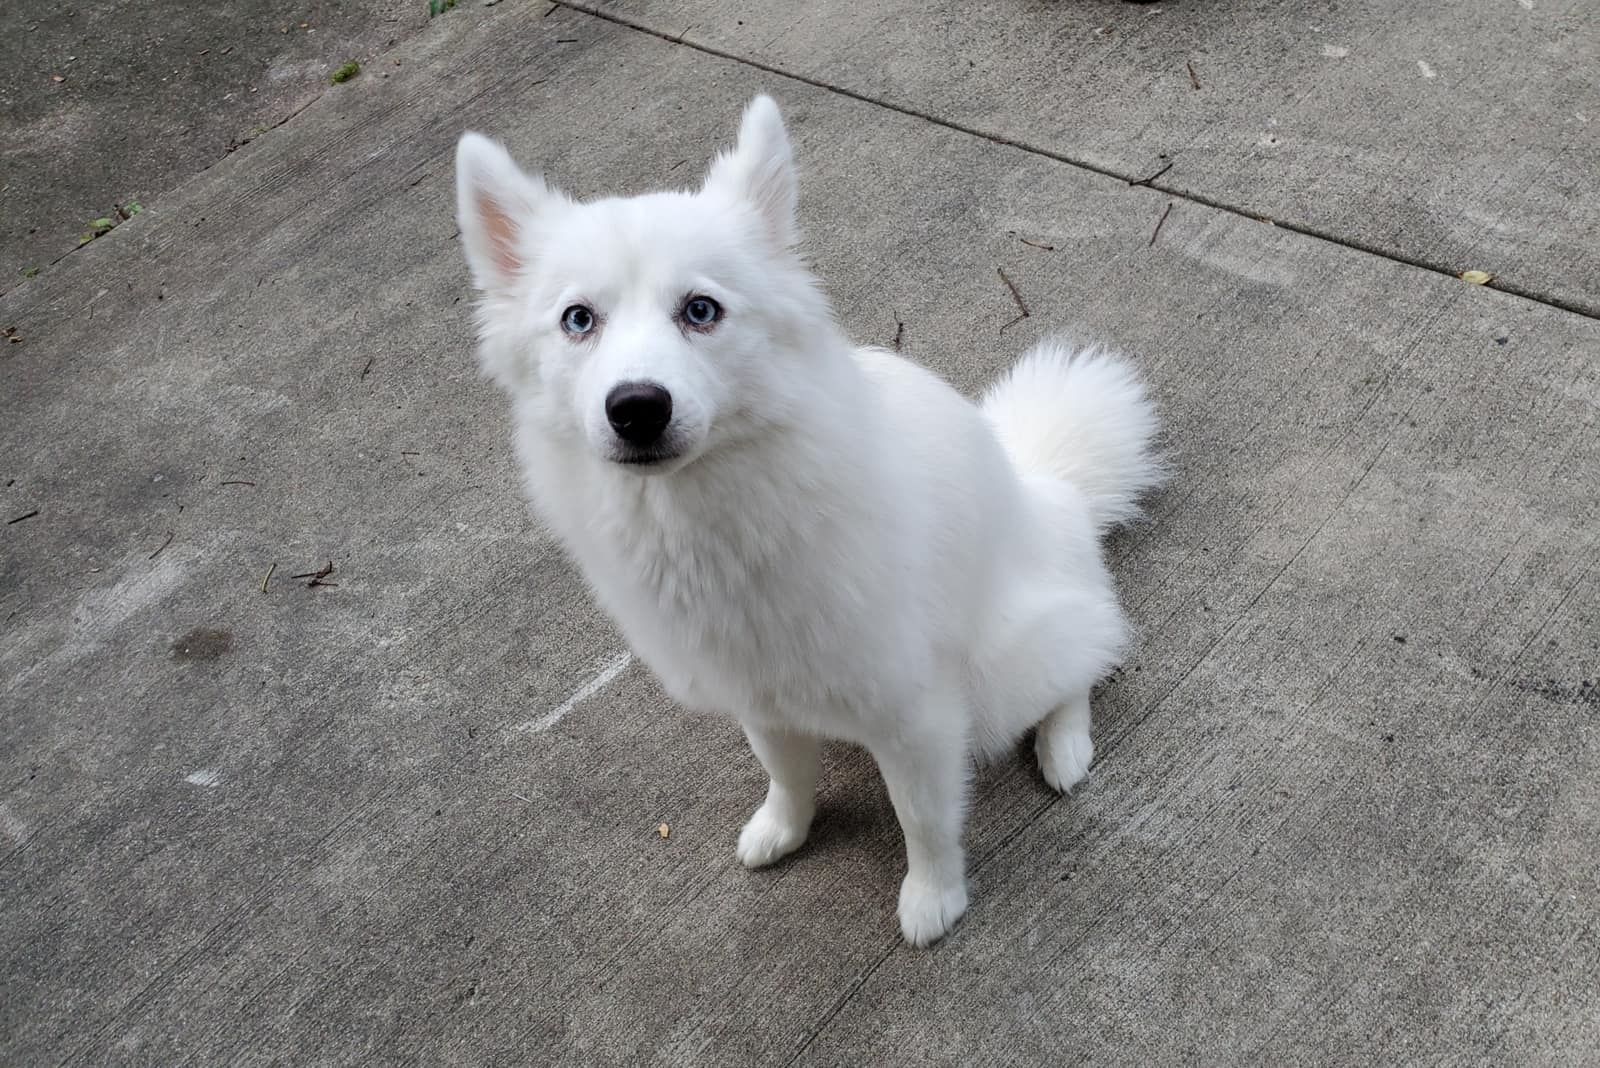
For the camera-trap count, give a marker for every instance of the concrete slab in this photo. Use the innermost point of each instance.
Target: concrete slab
(1459, 137)
(1344, 811)
(108, 103)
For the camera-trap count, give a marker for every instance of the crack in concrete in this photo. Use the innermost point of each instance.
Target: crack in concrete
(1500, 285)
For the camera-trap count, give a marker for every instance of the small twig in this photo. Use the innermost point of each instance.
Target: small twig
(566, 40)
(408, 452)
(1194, 79)
(24, 515)
(317, 576)
(236, 482)
(1035, 244)
(1153, 177)
(368, 367)
(1159, 223)
(519, 797)
(1021, 307)
(676, 165)
(268, 576)
(163, 546)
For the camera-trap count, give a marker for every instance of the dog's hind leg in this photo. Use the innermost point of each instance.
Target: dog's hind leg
(780, 825)
(1063, 745)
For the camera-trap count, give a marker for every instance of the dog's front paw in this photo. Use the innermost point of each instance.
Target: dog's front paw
(770, 835)
(928, 911)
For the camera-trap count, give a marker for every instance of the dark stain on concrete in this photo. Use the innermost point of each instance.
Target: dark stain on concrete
(203, 643)
(1586, 692)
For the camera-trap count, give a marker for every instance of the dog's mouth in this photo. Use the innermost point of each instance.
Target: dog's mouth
(668, 452)
(647, 460)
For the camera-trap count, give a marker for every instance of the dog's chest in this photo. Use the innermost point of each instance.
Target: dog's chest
(737, 615)
(719, 586)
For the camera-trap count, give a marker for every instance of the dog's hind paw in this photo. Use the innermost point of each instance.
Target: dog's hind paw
(769, 837)
(1064, 747)
(928, 911)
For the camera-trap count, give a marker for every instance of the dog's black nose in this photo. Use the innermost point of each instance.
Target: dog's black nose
(639, 411)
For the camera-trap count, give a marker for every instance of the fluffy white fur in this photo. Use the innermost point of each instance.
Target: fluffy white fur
(839, 545)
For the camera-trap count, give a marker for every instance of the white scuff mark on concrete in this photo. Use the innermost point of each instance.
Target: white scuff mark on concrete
(1427, 71)
(96, 617)
(236, 400)
(203, 777)
(11, 826)
(608, 672)
(1335, 51)
(99, 612)
(1527, 4)
(283, 70)
(1489, 220)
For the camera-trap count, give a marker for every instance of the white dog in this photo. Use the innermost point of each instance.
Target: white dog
(818, 540)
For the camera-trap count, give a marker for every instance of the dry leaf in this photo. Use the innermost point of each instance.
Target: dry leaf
(664, 830)
(1477, 278)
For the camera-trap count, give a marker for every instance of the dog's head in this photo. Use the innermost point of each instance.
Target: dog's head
(650, 327)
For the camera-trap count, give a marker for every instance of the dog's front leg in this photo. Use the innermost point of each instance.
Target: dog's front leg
(781, 823)
(927, 780)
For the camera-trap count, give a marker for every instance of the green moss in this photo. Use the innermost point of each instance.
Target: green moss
(346, 72)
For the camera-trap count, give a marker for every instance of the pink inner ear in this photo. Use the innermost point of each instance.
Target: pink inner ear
(501, 231)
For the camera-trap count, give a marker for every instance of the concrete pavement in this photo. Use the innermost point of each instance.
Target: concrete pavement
(109, 103)
(1457, 137)
(1345, 808)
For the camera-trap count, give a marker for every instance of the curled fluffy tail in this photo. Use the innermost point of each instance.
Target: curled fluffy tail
(1082, 416)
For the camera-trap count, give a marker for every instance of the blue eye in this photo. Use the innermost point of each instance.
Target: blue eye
(577, 320)
(701, 311)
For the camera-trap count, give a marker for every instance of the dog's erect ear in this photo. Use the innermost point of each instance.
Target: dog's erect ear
(760, 170)
(496, 205)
